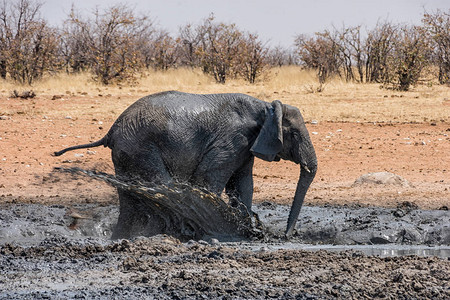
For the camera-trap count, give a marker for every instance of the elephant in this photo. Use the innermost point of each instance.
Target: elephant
(206, 140)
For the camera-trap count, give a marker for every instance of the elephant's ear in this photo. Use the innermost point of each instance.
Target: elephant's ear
(270, 139)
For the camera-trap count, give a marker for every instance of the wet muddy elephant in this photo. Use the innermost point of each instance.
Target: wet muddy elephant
(208, 141)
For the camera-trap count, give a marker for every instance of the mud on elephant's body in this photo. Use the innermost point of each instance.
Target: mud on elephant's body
(208, 141)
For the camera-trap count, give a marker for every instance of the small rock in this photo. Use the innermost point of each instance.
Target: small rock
(76, 215)
(263, 249)
(381, 178)
(79, 155)
(314, 122)
(91, 152)
(379, 240)
(407, 205)
(23, 95)
(417, 286)
(68, 117)
(214, 242)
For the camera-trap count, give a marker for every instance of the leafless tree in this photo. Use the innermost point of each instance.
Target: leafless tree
(162, 51)
(251, 61)
(112, 38)
(219, 48)
(437, 25)
(280, 56)
(189, 40)
(409, 57)
(337, 40)
(379, 45)
(74, 46)
(28, 46)
(353, 51)
(319, 53)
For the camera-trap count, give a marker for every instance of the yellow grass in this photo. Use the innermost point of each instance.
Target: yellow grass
(340, 101)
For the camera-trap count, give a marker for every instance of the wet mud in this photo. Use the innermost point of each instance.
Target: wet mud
(66, 252)
(62, 251)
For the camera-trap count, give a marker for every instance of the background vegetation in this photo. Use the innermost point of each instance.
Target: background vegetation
(116, 45)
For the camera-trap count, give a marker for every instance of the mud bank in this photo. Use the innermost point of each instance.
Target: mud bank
(163, 268)
(58, 251)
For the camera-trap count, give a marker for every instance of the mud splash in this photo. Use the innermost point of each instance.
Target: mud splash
(188, 212)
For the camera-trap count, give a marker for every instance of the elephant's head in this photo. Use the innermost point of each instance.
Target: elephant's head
(284, 135)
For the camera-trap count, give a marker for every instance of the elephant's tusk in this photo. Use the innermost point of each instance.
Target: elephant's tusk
(306, 168)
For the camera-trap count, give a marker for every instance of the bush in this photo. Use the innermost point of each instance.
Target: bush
(28, 46)
(110, 40)
(223, 51)
(409, 57)
(437, 26)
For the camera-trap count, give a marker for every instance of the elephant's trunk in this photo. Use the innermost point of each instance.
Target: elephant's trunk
(307, 173)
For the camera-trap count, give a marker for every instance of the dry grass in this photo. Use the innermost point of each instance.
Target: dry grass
(340, 101)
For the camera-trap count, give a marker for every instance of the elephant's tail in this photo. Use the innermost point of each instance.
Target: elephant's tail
(101, 142)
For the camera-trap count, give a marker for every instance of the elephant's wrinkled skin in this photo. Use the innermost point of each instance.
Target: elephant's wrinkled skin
(208, 141)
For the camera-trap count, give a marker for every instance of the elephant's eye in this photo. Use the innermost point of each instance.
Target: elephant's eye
(296, 135)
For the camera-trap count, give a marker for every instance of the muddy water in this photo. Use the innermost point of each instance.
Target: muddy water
(375, 231)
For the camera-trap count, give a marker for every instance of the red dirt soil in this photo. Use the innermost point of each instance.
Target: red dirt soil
(345, 151)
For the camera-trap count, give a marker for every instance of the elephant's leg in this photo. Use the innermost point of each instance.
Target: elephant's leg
(138, 216)
(127, 216)
(240, 186)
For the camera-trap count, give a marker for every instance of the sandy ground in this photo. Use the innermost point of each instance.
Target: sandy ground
(164, 268)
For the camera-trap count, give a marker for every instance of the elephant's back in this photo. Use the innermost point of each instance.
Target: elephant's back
(182, 116)
(174, 101)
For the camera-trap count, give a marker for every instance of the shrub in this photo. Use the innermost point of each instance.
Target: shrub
(28, 46)
(111, 40)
